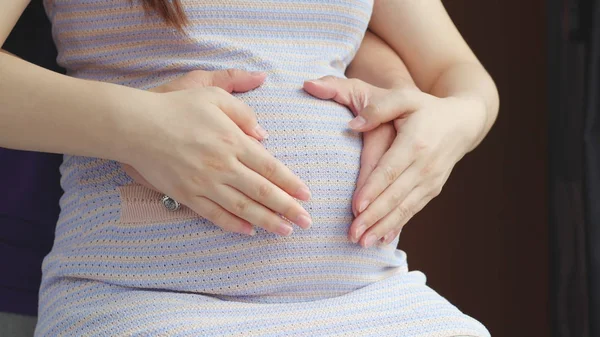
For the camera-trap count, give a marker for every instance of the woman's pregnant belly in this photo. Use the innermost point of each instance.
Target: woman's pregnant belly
(115, 231)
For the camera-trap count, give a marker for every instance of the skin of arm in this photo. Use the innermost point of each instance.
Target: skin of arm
(438, 58)
(50, 112)
(377, 63)
(450, 82)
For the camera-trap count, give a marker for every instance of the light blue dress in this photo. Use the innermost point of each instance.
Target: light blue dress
(122, 265)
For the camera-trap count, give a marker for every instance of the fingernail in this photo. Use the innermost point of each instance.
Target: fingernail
(357, 122)
(303, 193)
(261, 132)
(285, 229)
(304, 221)
(257, 73)
(363, 205)
(370, 240)
(359, 232)
(252, 232)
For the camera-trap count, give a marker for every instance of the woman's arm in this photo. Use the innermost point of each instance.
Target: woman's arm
(436, 126)
(187, 144)
(438, 58)
(50, 112)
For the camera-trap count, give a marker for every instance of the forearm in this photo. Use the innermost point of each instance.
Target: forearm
(48, 112)
(470, 81)
(438, 58)
(378, 64)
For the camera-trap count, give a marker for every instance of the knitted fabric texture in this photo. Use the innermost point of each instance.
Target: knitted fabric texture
(122, 265)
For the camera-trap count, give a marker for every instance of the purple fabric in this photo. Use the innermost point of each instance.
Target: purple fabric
(29, 194)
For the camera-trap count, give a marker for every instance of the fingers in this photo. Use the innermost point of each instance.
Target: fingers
(235, 80)
(258, 159)
(245, 208)
(354, 94)
(391, 165)
(266, 193)
(230, 80)
(391, 199)
(396, 219)
(389, 107)
(375, 143)
(389, 237)
(371, 105)
(241, 114)
(220, 216)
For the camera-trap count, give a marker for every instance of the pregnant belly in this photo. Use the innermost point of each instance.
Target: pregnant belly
(142, 245)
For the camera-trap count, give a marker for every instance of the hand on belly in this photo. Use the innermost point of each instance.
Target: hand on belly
(226, 177)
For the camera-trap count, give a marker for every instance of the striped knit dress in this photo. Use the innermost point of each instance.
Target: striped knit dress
(122, 265)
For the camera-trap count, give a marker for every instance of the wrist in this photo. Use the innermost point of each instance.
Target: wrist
(128, 123)
(475, 114)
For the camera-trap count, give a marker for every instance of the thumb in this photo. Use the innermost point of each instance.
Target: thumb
(236, 80)
(391, 106)
(353, 93)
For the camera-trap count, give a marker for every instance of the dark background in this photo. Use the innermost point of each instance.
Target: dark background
(483, 243)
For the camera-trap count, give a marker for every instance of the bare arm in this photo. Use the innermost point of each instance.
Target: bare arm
(46, 111)
(438, 58)
(378, 64)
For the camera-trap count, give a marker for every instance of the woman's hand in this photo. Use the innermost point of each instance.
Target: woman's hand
(203, 151)
(231, 80)
(432, 135)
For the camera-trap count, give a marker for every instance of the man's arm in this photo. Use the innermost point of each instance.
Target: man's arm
(378, 64)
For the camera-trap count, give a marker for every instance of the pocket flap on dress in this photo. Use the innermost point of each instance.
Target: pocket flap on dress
(140, 204)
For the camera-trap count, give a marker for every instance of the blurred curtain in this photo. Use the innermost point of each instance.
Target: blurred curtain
(574, 172)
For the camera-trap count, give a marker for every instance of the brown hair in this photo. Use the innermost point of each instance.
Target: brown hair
(170, 11)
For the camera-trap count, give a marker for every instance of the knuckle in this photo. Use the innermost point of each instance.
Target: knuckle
(419, 146)
(290, 209)
(269, 169)
(241, 206)
(232, 73)
(264, 191)
(199, 77)
(404, 212)
(229, 138)
(200, 182)
(372, 110)
(395, 199)
(371, 166)
(390, 173)
(436, 191)
(427, 170)
(218, 164)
